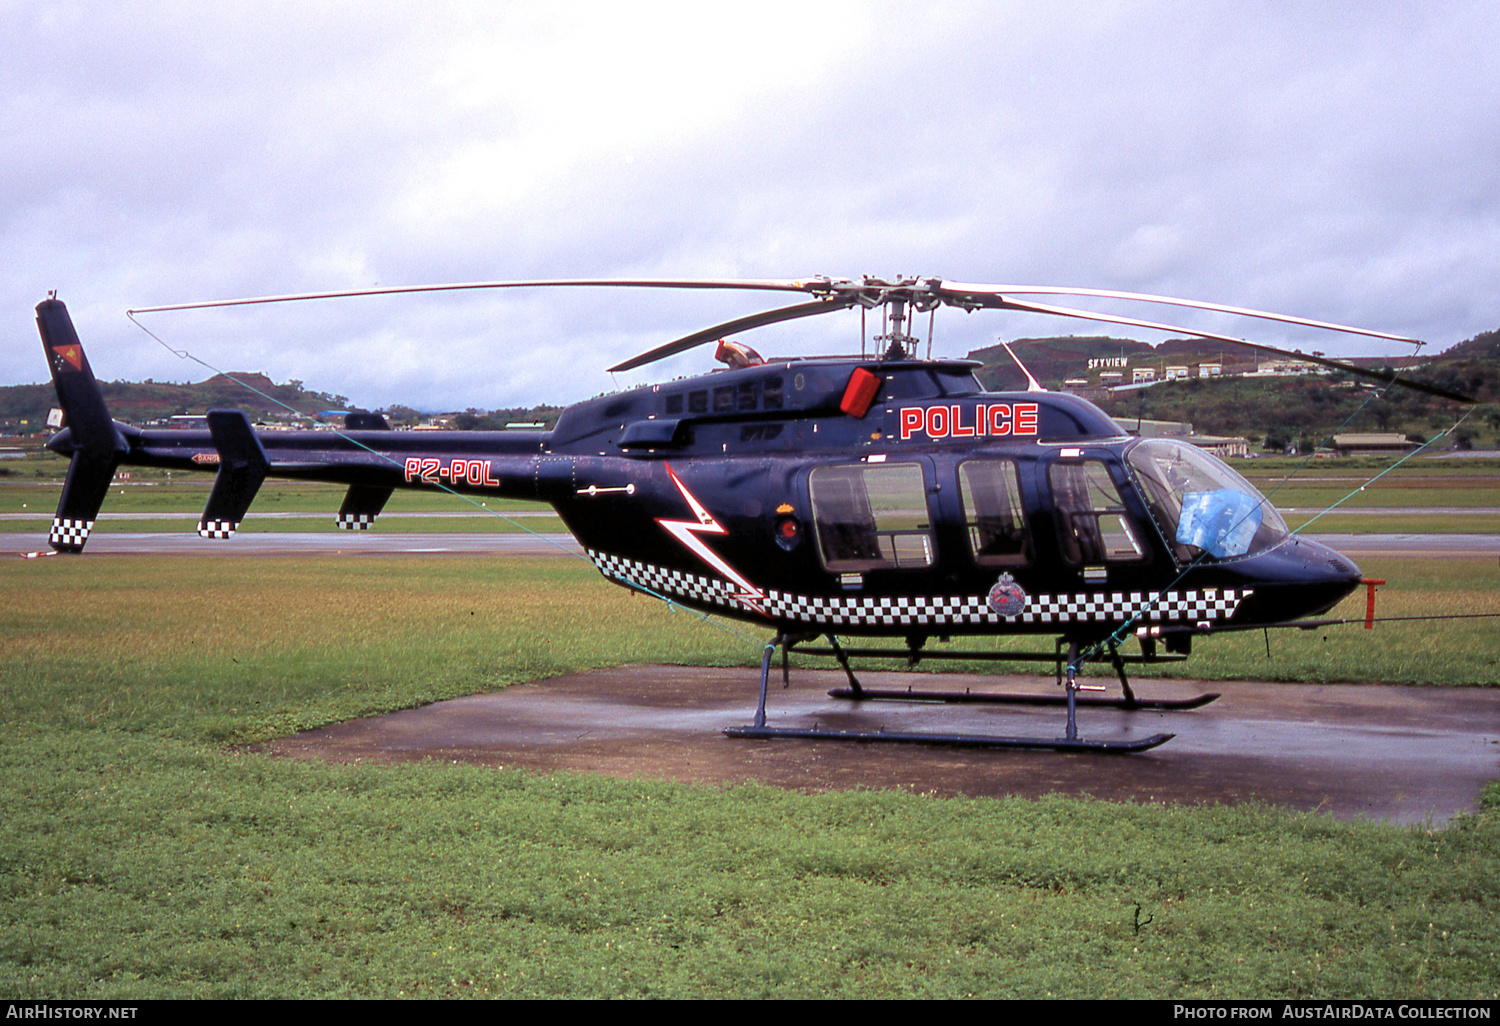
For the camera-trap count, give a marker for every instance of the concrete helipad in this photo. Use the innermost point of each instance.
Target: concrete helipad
(1403, 754)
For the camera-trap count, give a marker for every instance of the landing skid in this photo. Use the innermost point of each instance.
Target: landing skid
(857, 692)
(990, 698)
(1070, 742)
(956, 740)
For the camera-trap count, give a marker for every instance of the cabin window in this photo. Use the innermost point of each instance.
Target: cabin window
(871, 516)
(993, 513)
(772, 393)
(674, 403)
(1091, 521)
(698, 402)
(724, 399)
(745, 397)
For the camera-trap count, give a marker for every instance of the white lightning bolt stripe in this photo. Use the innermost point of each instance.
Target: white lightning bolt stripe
(686, 531)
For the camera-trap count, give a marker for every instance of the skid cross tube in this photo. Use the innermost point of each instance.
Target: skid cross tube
(859, 693)
(1069, 742)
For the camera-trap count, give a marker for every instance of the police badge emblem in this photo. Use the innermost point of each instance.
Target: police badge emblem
(1007, 598)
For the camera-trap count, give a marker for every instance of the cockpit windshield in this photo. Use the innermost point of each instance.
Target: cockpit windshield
(1200, 504)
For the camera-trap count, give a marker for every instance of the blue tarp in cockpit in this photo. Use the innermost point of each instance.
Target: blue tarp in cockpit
(1221, 522)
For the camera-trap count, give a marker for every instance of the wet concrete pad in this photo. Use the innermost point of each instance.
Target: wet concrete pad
(1403, 754)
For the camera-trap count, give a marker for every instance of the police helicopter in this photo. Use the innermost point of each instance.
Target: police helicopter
(879, 496)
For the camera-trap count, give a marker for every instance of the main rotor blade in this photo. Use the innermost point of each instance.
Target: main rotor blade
(1001, 291)
(718, 331)
(1378, 375)
(758, 284)
(1089, 315)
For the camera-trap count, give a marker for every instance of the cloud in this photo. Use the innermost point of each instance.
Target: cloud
(1335, 163)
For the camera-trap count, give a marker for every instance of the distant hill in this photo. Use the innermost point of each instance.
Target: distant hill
(143, 402)
(1485, 346)
(1472, 366)
(1055, 360)
(1291, 409)
(23, 408)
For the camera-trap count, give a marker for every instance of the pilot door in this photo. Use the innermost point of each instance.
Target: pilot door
(1099, 533)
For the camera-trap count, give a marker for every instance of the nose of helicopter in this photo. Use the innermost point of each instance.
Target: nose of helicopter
(1296, 579)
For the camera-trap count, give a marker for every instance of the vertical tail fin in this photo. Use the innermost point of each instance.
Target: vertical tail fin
(242, 467)
(90, 435)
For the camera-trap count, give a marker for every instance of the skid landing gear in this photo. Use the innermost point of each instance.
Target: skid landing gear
(856, 692)
(1069, 742)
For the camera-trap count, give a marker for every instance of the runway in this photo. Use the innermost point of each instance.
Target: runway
(1402, 754)
(378, 542)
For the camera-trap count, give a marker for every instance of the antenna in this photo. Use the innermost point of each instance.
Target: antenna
(1032, 385)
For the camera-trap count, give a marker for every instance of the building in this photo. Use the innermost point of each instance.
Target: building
(1222, 446)
(1372, 443)
(1284, 368)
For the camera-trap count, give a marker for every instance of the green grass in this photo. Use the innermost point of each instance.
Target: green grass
(1450, 652)
(1419, 523)
(147, 851)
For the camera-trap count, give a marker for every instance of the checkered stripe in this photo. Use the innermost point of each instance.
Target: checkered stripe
(664, 581)
(1197, 606)
(356, 521)
(68, 533)
(217, 528)
(885, 610)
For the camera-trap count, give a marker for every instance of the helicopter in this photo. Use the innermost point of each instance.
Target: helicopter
(885, 496)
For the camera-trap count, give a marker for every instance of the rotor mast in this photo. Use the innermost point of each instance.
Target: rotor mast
(898, 344)
(901, 299)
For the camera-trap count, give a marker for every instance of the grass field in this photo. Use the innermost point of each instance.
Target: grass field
(146, 851)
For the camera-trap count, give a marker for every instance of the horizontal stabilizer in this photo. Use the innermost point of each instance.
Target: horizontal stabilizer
(362, 505)
(243, 465)
(365, 422)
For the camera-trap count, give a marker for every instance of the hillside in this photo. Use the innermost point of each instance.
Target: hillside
(143, 402)
(1287, 409)
(1055, 360)
(23, 408)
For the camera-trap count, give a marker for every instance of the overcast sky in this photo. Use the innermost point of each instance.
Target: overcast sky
(1338, 161)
